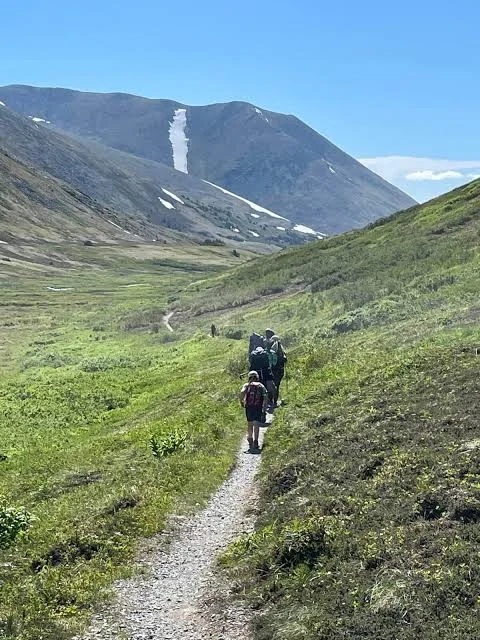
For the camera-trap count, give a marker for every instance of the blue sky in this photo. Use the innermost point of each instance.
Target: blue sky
(395, 84)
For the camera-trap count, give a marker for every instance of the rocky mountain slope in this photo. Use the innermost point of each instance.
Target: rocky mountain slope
(157, 197)
(34, 206)
(271, 158)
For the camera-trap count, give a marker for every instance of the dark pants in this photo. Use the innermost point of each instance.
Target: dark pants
(266, 378)
(278, 374)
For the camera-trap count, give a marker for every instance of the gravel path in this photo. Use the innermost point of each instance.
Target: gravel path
(180, 595)
(166, 320)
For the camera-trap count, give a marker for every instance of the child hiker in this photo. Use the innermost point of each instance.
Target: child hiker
(254, 398)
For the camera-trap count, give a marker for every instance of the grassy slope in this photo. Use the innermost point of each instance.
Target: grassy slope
(370, 490)
(88, 376)
(380, 430)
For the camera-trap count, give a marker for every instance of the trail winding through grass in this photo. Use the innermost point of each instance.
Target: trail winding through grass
(180, 595)
(166, 320)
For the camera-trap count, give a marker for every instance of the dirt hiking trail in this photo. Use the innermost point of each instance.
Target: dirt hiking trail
(166, 320)
(180, 596)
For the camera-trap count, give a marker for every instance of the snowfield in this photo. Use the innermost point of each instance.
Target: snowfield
(2, 104)
(254, 215)
(37, 119)
(166, 204)
(252, 205)
(303, 229)
(281, 228)
(179, 140)
(254, 233)
(172, 195)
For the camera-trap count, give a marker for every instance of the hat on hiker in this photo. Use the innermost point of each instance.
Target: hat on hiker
(269, 331)
(253, 375)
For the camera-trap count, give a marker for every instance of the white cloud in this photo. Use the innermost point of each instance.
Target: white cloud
(394, 168)
(431, 175)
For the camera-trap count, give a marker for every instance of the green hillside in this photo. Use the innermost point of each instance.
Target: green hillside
(370, 489)
(370, 485)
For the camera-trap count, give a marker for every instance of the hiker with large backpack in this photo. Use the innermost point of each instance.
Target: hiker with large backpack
(254, 398)
(277, 359)
(255, 340)
(259, 361)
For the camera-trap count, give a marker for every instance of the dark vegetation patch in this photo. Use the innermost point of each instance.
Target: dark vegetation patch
(143, 319)
(67, 552)
(234, 333)
(370, 502)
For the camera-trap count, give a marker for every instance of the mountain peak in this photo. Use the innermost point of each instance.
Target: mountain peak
(270, 158)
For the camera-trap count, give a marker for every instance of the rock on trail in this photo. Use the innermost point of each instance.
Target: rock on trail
(180, 593)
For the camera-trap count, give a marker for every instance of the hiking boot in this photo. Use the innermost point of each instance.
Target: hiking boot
(255, 447)
(250, 445)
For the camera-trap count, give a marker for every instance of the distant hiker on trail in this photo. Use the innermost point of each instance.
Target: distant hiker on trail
(278, 360)
(213, 330)
(259, 361)
(254, 397)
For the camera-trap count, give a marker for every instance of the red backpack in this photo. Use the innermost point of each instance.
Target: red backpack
(253, 395)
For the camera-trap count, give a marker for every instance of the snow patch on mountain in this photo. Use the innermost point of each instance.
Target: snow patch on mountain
(281, 228)
(172, 195)
(254, 233)
(254, 215)
(37, 119)
(166, 203)
(237, 230)
(303, 229)
(2, 104)
(179, 140)
(260, 113)
(252, 205)
(118, 227)
(332, 170)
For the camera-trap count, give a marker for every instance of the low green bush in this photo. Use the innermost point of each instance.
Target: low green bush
(13, 522)
(163, 446)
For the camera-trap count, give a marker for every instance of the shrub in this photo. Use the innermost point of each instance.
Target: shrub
(169, 444)
(213, 243)
(106, 364)
(13, 522)
(143, 319)
(237, 366)
(302, 542)
(234, 333)
(53, 360)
